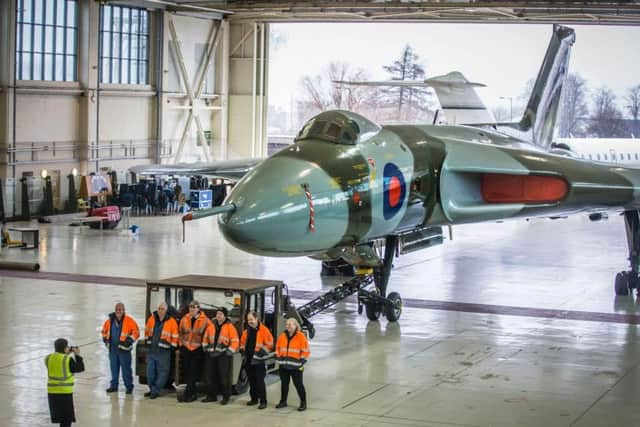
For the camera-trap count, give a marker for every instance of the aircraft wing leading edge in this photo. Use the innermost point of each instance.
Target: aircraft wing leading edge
(232, 170)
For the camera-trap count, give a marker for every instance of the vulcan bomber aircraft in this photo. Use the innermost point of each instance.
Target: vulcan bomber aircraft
(350, 189)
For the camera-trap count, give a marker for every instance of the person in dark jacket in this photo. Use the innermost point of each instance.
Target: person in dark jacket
(61, 365)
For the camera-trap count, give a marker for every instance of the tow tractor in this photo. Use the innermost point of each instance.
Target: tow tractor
(270, 300)
(238, 295)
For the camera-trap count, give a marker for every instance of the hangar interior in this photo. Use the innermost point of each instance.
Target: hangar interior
(525, 331)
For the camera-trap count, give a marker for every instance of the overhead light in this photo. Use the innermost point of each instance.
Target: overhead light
(44, 173)
(74, 172)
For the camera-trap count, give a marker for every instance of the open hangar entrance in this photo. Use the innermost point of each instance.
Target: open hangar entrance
(180, 81)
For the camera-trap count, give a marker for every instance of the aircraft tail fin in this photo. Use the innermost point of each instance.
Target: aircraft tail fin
(542, 109)
(459, 101)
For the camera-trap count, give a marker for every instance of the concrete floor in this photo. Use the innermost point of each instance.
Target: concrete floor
(433, 368)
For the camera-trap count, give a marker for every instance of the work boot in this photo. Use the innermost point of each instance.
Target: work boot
(303, 406)
(224, 401)
(153, 395)
(263, 405)
(129, 391)
(281, 405)
(209, 399)
(191, 398)
(252, 402)
(147, 394)
(112, 390)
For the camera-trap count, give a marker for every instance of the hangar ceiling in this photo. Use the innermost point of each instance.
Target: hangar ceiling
(585, 12)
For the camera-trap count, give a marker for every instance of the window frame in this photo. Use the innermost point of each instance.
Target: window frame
(118, 62)
(41, 56)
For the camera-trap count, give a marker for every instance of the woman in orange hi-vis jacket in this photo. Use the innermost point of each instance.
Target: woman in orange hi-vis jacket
(256, 345)
(292, 352)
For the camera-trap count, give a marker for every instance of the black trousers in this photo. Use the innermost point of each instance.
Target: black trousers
(219, 369)
(257, 388)
(192, 363)
(296, 375)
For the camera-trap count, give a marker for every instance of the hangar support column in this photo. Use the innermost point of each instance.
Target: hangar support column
(248, 69)
(7, 83)
(88, 58)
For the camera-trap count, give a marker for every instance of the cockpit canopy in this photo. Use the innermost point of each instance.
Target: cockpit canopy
(338, 127)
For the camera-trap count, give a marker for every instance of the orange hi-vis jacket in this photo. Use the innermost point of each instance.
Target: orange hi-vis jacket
(169, 334)
(264, 343)
(191, 338)
(227, 339)
(130, 332)
(292, 352)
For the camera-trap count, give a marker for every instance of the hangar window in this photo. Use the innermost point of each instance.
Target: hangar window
(590, 157)
(598, 156)
(606, 157)
(46, 40)
(124, 45)
(636, 156)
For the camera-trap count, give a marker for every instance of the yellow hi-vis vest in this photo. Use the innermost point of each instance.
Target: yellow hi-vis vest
(60, 379)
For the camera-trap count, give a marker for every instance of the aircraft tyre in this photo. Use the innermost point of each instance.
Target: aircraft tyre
(622, 283)
(393, 311)
(373, 310)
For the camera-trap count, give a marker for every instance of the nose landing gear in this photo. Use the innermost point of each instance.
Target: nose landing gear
(375, 301)
(628, 280)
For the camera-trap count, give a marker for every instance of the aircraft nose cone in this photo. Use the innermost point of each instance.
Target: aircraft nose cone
(273, 215)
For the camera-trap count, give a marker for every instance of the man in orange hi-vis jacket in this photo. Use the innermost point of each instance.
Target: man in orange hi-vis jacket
(161, 332)
(119, 332)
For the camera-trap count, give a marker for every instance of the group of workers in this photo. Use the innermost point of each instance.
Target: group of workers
(200, 341)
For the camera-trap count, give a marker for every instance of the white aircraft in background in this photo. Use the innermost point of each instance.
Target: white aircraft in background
(622, 151)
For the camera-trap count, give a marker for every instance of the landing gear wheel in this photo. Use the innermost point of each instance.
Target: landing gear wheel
(622, 283)
(393, 311)
(373, 310)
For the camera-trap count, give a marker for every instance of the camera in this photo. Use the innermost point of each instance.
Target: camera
(74, 347)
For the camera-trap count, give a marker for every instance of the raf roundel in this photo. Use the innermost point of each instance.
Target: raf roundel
(395, 190)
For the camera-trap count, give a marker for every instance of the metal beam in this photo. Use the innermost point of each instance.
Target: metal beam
(587, 12)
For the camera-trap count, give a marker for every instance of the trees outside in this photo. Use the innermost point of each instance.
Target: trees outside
(410, 103)
(633, 108)
(319, 93)
(573, 107)
(381, 104)
(606, 118)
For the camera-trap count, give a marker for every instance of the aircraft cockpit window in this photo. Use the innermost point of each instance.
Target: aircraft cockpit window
(337, 127)
(333, 131)
(330, 131)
